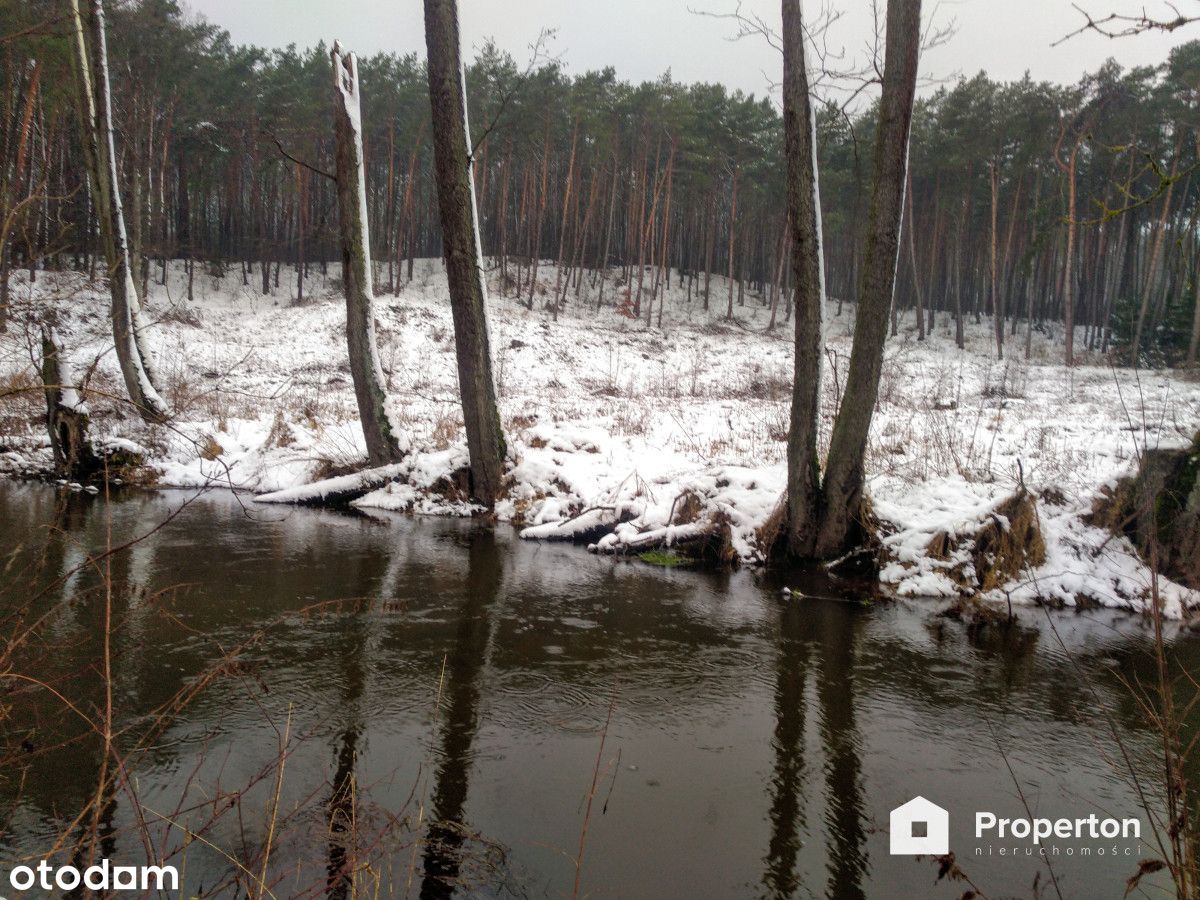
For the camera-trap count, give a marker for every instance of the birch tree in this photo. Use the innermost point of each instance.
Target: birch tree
(382, 438)
(461, 249)
(95, 112)
(844, 473)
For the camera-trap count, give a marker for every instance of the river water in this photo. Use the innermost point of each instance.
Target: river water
(443, 697)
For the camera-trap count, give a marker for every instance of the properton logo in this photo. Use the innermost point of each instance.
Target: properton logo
(100, 877)
(1073, 837)
(920, 827)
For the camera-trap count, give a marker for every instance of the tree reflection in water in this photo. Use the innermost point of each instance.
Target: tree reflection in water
(831, 631)
(443, 858)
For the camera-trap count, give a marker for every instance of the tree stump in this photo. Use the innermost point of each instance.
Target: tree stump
(1159, 508)
(66, 414)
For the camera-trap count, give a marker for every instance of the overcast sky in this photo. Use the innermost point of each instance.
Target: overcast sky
(643, 38)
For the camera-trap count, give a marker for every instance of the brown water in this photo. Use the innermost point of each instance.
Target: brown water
(443, 726)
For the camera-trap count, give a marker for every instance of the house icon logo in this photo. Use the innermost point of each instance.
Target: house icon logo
(920, 827)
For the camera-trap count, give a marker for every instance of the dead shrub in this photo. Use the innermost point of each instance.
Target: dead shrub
(455, 487)
(1005, 544)
(631, 419)
(445, 431)
(1009, 383)
(21, 402)
(280, 434)
(209, 448)
(686, 509)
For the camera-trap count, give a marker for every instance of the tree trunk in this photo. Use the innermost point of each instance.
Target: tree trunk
(382, 438)
(710, 230)
(844, 474)
(66, 414)
(612, 202)
(997, 302)
(1194, 341)
(732, 237)
(1068, 289)
(464, 258)
(536, 237)
(912, 259)
(562, 223)
(804, 211)
(1156, 254)
(95, 102)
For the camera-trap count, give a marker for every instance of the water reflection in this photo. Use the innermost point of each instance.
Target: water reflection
(761, 742)
(787, 810)
(829, 633)
(847, 860)
(342, 807)
(461, 689)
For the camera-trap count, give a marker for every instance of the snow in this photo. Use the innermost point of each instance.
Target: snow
(68, 382)
(612, 425)
(319, 491)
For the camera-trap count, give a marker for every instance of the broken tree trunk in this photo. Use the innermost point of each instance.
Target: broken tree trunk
(66, 414)
(383, 440)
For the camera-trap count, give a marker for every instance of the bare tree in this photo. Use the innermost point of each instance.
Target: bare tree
(461, 248)
(804, 212)
(95, 113)
(383, 440)
(843, 486)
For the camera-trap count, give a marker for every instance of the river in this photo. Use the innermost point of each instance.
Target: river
(445, 696)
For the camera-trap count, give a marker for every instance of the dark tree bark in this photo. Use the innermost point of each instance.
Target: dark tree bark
(383, 441)
(844, 473)
(1068, 277)
(1194, 340)
(993, 276)
(464, 259)
(804, 476)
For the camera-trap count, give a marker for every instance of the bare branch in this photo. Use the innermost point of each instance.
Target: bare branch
(1119, 25)
(299, 162)
(537, 57)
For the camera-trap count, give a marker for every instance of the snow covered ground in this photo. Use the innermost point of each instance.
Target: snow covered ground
(606, 414)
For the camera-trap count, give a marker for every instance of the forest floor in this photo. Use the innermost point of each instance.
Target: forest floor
(603, 411)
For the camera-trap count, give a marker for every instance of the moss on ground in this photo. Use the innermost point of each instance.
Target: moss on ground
(668, 559)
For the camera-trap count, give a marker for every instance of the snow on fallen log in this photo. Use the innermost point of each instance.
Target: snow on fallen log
(585, 528)
(707, 540)
(336, 491)
(668, 536)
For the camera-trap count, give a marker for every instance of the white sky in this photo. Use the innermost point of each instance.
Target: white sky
(643, 38)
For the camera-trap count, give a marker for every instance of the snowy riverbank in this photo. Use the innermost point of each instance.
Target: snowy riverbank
(603, 412)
